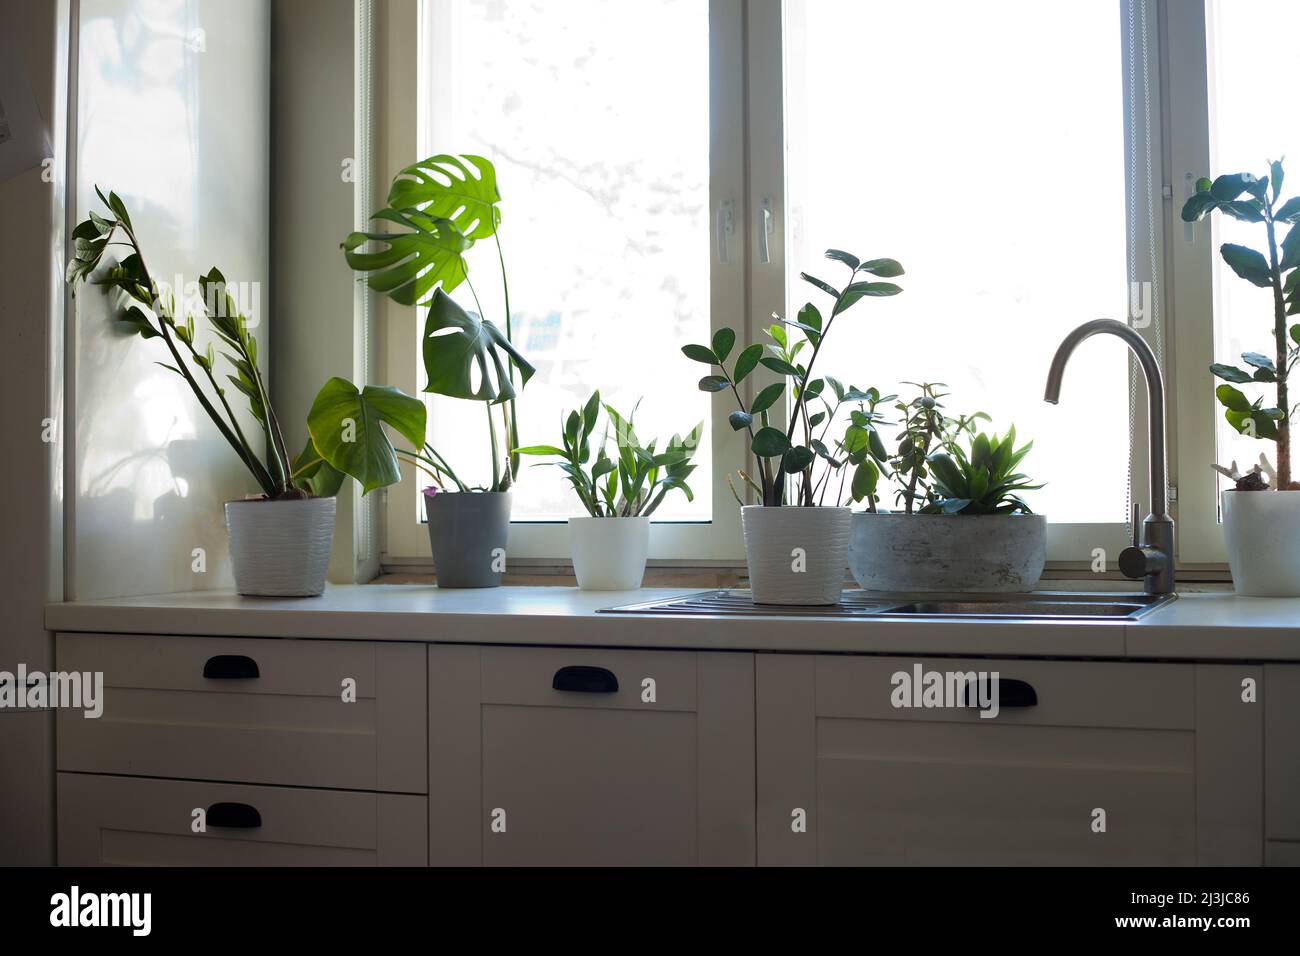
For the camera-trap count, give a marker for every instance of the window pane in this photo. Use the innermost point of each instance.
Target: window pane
(1250, 126)
(596, 115)
(983, 147)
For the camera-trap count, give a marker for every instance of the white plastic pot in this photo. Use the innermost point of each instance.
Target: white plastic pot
(953, 553)
(609, 554)
(280, 548)
(1261, 530)
(796, 555)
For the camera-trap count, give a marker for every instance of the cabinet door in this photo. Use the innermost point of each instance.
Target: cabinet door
(581, 757)
(847, 778)
(138, 821)
(1282, 753)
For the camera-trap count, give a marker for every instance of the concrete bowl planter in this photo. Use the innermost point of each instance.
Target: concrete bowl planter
(280, 548)
(467, 534)
(609, 554)
(1261, 530)
(796, 555)
(954, 553)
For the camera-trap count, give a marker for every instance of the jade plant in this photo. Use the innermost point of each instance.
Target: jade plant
(347, 438)
(785, 457)
(441, 207)
(1253, 199)
(631, 484)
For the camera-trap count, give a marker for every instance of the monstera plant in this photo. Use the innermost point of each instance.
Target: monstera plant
(438, 210)
(276, 551)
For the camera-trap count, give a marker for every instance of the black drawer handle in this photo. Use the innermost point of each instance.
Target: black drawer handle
(234, 816)
(580, 679)
(1011, 693)
(230, 667)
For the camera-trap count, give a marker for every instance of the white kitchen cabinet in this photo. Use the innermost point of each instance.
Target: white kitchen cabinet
(846, 778)
(1282, 763)
(590, 757)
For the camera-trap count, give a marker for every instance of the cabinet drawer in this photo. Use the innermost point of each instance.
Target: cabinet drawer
(137, 821)
(527, 677)
(267, 711)
(1068, 693)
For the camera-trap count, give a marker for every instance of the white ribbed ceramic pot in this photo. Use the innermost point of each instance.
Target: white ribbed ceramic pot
(1261, 530)
(280, 548)
(609, 554)
(796, 555)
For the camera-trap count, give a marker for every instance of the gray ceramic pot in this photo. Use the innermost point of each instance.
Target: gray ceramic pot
(955, 553)
(280, 548)
(467, 532)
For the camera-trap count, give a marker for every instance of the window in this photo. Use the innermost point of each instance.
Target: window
(672, 166)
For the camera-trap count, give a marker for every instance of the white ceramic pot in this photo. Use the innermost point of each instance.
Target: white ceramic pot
(954, 553)
(609, 554)
(796, 555)
(280, 548)
(1261, 530)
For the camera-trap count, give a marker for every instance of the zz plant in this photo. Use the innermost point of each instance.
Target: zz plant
(1258, 200)
(344, 423)
(785, 457)
(441, 207)
(631, 484)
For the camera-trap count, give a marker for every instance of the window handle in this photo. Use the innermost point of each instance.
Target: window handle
(726, 228)
(765, 230)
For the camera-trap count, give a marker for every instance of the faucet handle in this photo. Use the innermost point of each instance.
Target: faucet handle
(1135, 531)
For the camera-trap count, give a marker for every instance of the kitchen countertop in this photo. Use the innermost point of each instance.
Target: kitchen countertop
(1197, 626)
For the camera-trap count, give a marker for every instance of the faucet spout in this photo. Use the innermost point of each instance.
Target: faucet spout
(1154, 556)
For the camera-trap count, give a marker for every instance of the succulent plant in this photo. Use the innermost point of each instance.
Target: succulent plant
(981, 481)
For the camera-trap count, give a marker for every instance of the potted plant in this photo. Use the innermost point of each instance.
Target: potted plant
(442, 207)
(964, 526)
(611, 542)
(795, 545)
(1261, 519)
(280, 539)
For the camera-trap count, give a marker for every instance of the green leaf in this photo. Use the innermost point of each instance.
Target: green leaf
(1276, 175)
(798, 458)
(1258, 360)
(1232, 185)
(740, 420)
(747, 362)
(780, 366)
(877, 446)
(884, 268)
(1198, 205)
(700, 353)
(541, 450)
(1289, 211)
(1290, 250)
(770, 443)
(1244, 210)
(345, 427)
(462, 189)
(1247, 263)
(1230, 373)
(415, 262)
(830, 290)
(865, 479)
(713, 383)
(1232, 399)
(859, 290)
(1204, 184)
(840, 255)
(767, 398)
(456, 343)
(810, 317)
(1295, 334)
(317, 476)
(723, 341)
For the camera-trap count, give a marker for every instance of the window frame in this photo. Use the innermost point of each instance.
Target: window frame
(747, 175)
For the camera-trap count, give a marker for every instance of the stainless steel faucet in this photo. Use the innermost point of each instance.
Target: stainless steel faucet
(1151, 557)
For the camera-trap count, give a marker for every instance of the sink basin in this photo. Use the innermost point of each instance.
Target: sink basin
(1040, 605)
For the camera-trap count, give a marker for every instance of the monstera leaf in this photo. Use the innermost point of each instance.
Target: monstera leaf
(414, 262)
(445, 187)
(346, 429)
(319, 477)
(457, 344)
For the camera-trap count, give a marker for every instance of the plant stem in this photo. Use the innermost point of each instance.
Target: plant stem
(512, 433)
(1280, 346)
(442, 463)
(496, 461)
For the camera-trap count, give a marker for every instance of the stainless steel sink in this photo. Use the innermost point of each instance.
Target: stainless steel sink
(1040, 605)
